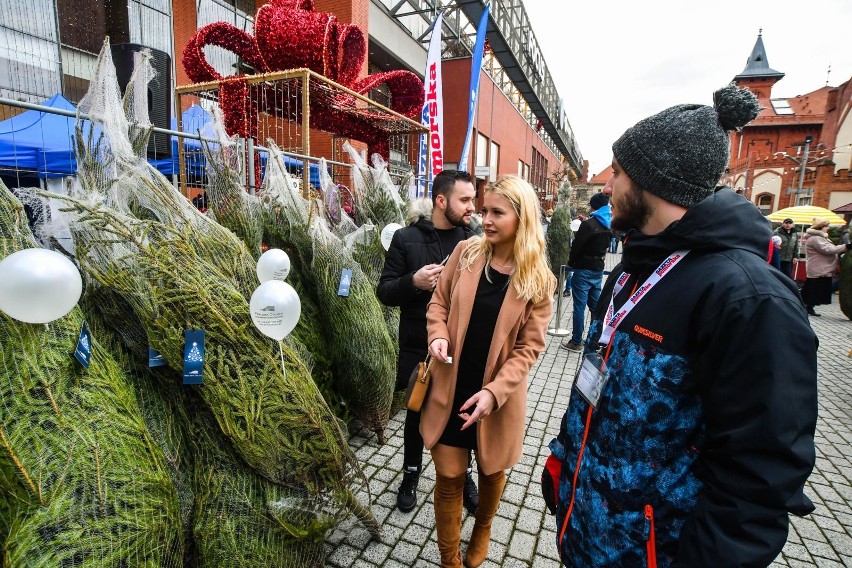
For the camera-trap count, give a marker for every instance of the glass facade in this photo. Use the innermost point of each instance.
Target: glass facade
(151, 24)
(30, 63)
(239, 14)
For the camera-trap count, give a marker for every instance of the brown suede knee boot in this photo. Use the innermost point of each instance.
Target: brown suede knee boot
(448, 514)
(490, 491)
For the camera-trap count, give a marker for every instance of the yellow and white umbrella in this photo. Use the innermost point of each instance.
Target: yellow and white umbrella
(805, 215)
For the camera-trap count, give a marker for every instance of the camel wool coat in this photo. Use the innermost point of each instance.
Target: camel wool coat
(516, 344)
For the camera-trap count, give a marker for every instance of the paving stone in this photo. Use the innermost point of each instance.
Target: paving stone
(522, 546)
(416, 534)
(405, 552)
(376, 553)
(344, 555)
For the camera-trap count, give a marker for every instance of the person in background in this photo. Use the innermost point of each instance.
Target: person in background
(412, 267)
(689, 432)
(586, 261)
(486, 325)
(789, 245)
(821, 265)
(575, 226)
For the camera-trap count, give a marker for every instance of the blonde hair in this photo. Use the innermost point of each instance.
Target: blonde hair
(531, 277)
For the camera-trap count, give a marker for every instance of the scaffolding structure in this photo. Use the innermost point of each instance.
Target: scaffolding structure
(285, 106)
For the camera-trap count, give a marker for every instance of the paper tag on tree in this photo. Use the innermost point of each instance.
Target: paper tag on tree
(345, 282)
(193, 357)
(83, 351)
(154, 358)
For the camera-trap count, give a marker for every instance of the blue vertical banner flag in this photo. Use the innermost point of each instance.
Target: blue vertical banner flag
(475, 69)
(431, 160)
(193, 356)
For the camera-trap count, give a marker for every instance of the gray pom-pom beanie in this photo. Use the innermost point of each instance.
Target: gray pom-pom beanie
(680, 153)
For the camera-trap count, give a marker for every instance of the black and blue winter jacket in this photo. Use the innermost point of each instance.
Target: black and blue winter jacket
(704, 435)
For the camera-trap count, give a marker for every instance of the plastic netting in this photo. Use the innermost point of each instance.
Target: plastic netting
(359, 347)
(558, 237)
(249, 469)
(81, 479)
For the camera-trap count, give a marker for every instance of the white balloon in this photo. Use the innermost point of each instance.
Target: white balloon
(38, 285)
(274, 264)
(275, 309)
(387, 234)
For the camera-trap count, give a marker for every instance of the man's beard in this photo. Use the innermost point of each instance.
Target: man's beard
(631, 211)
(455, 219)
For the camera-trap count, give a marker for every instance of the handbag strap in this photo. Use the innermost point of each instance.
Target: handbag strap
(428, 362)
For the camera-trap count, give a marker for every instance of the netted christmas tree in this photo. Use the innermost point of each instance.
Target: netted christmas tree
(81, 481)
(559, 236)
(155, 267)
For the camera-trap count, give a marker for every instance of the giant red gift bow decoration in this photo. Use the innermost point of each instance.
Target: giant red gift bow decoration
(289, 34)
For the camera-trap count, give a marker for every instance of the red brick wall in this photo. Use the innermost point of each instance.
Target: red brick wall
(497, 118)
(184, 22)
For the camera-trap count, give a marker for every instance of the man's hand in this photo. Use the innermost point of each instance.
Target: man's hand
(427, 277)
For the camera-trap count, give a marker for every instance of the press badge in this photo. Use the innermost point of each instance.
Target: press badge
(591, 378)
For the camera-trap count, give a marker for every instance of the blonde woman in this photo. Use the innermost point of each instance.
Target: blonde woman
(486, 324)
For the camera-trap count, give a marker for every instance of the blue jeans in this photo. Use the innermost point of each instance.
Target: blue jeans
(585, 289)
(568, 273)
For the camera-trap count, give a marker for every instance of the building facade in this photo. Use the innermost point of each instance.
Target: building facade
(813, 130)
(50, 46)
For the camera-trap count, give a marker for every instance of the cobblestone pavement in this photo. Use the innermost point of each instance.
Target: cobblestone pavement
(523, 535)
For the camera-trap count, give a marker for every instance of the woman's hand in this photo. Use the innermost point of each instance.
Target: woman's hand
(483, 403)
(438, 349)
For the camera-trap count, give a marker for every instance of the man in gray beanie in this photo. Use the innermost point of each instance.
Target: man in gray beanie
(679, 446)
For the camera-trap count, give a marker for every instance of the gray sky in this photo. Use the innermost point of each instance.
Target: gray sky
(618, 61)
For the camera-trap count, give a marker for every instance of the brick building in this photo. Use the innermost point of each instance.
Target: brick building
(815, 127)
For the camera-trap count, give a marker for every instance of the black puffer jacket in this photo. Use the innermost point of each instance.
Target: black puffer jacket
(704, 436)
(590, 245)
(411, 249)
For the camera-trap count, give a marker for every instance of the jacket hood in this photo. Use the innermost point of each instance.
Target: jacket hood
(417, 209)
(604, 215)
(722, 221)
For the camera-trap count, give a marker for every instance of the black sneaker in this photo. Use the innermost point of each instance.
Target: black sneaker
(471, 494)
(406, 498)
(811, 312)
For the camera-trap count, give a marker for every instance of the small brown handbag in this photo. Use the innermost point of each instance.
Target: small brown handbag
(418, 385)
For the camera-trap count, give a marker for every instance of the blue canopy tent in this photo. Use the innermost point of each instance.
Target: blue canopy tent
(195, 120)
(42, 144)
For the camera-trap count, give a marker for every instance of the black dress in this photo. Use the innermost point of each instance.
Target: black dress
(474, 353)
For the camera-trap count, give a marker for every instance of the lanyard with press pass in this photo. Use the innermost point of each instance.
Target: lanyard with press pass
(613, 320)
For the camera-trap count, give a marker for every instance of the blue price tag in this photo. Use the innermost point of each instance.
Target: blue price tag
(345, 282)
(193, 357)
(83, 350)
(154, 358)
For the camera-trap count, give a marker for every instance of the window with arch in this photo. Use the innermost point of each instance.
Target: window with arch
(764, 203)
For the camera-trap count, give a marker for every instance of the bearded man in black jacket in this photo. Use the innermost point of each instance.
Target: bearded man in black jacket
(689, 434)
(413, 264)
